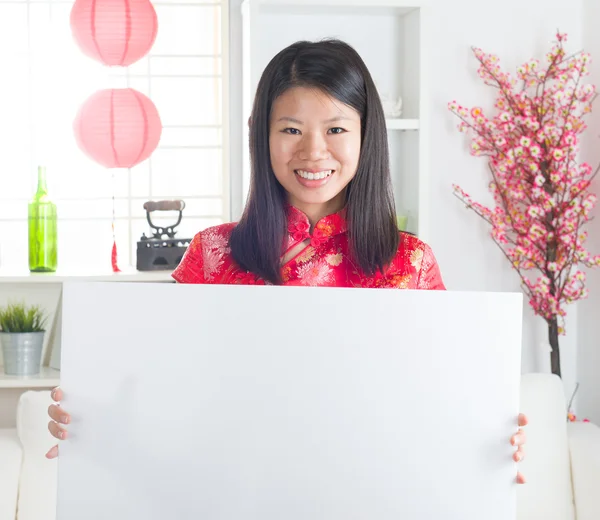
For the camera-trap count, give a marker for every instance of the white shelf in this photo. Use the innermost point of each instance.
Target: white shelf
(47, 378)
(402, 124)
(412, 4)
(397, 6)
(7, 276)
(397, 60)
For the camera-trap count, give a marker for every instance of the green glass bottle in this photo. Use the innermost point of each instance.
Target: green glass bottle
(43, 232)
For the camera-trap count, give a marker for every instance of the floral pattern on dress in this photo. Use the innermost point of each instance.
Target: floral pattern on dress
(335, 259)
(416, 257)
(315, 274)
(215, 246)
(306, 255)
(322, 260)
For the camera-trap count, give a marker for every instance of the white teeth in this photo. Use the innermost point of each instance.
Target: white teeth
(314, 176)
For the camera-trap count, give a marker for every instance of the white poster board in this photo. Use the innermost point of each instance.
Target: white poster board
(195, 402)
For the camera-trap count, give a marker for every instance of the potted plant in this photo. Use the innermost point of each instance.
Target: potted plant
(22, 330)
(541, 191)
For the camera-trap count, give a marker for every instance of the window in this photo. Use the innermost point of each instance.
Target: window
(46, 78)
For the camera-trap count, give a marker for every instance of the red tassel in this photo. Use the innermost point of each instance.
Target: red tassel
(113, 258)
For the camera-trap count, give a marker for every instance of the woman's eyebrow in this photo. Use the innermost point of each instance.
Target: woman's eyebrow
(337, 118)
(297, 121)
(291, 120)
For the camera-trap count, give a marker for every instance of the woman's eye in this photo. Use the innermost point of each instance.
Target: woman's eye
(292, 131)
(337, 130)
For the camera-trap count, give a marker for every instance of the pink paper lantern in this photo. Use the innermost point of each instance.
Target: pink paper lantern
(118, 128)
(114, 32)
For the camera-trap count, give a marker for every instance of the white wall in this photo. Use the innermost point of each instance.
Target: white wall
(588, 365)
(516, 30)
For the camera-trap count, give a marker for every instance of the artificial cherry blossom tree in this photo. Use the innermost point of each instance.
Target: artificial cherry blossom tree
(541, 192)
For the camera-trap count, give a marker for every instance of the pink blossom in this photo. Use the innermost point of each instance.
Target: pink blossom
(541, 193)
(525, 142)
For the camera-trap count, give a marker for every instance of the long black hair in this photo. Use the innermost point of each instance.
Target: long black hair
(335, 68)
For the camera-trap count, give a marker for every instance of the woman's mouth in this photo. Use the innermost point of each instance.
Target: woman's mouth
(312, 179)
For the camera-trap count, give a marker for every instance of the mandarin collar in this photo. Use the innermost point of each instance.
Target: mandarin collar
(327, 227)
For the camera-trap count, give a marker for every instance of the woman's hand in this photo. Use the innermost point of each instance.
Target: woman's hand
(519, 440)
(59, 416)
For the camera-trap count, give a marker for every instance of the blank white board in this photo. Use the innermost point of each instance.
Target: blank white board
(203, 402)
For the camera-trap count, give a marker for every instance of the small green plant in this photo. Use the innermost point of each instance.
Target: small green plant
(17, 317)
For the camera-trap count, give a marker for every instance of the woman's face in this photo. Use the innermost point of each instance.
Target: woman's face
(314, 143)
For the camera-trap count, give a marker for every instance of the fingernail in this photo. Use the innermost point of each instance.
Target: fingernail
(61, 434)
(64, 419)
(519, 457)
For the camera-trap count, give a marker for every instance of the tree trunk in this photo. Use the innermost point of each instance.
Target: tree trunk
(553, 339)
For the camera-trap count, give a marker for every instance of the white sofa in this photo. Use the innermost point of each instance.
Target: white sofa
(28, 481)
(562, 465)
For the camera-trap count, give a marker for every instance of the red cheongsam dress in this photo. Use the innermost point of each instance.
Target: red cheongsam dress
(319, 259)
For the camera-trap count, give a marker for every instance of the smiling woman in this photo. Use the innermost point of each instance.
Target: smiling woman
(318, 109)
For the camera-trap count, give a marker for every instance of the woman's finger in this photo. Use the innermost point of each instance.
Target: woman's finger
(518, 439)
(518, 455)
(52, 452)
(57, 431)
(57, 394)
(520, 478)
(523, 420)
(58, 414)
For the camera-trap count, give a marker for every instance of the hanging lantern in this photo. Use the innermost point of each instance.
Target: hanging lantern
(118, 128)
(114, 32)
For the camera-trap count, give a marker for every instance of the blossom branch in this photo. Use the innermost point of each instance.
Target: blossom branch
(541, 193)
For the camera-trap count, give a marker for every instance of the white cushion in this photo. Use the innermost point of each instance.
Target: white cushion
(38, 483)
(10, 469)
(547, 495)
(584, 441)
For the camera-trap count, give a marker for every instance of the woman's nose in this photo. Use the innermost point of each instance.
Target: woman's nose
(313, 147)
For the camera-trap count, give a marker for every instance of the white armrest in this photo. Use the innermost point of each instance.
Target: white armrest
(584, 443)
(547, 495)
(37, 492)
(10, 471)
